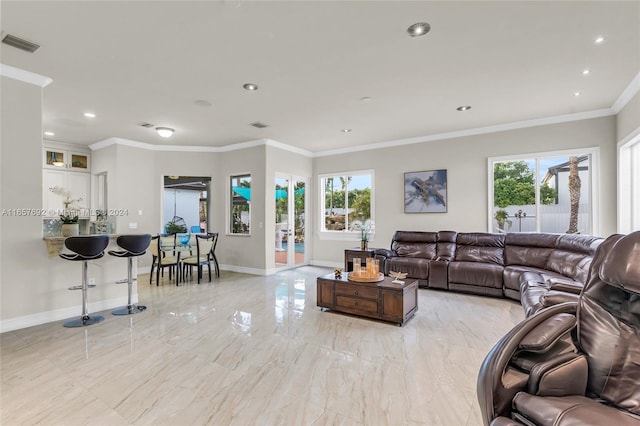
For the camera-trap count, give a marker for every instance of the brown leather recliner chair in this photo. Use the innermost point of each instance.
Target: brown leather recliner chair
(573, 364)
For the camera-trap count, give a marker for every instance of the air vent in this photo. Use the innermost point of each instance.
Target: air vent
(147, 125)
(259, 125)
(20, 43)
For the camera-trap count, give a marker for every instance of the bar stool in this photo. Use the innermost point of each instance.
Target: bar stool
(84, 248)
(133, 245)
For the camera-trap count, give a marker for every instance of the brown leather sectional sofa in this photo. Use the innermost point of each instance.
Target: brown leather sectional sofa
(537, 269)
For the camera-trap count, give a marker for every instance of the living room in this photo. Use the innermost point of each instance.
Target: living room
(460, 142)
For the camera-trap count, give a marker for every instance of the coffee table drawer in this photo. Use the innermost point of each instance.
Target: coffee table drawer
(351, 304)
(357, 291)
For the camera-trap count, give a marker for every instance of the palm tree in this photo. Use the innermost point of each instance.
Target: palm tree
(574, 194)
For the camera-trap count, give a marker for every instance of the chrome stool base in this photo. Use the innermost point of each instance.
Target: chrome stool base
(84, 321)
(129, 310)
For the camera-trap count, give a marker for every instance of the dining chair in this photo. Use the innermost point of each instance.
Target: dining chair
(162, 244)
(213, 252)
(204, 250)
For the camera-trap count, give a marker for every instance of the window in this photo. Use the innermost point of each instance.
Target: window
(345, 202)
(546, 192)
(240, 196)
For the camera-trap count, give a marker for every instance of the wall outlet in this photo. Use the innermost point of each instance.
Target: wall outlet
(133, 225)
(92, 281)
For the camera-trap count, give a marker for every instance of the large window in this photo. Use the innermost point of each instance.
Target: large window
(546, 192)
(240, 196)
(345, 203)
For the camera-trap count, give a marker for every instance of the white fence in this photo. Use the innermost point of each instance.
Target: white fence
(554, 218)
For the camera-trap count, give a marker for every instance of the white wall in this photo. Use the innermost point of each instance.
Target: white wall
(466, 162)
(33, 284)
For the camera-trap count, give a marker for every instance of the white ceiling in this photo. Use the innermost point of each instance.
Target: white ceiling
(148, 61)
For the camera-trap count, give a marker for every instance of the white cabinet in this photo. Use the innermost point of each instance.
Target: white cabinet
(65, 159)
(77, 184)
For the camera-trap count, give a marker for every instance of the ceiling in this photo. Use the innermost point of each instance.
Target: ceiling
(150, 61)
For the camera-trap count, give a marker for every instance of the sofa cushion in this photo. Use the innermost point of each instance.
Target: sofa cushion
(572, 256)
(476, 273)
(414, 267)
(528, 249)
(446, 248)
(415, 244)
(480, 247)
(419, 250)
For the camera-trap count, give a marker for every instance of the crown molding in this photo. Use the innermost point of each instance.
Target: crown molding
(472, 132)
(24, 76)
(285, 147)
(627, 94)
(186, 148)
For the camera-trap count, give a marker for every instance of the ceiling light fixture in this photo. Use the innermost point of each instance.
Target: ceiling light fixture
(577, 94)
(346, 130)
(464, 108)
(250, 86)
(418, 29)
(586, 72)
(365, 99)
(599, 40)
(202, 103)
(89, 115)
(49, 133)
(165, 132)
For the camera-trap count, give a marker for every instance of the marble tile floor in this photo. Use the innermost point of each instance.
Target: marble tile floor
(253, 350)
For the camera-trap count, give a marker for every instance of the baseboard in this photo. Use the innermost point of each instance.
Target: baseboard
(326, 264)
(60, 314)
(243, 270)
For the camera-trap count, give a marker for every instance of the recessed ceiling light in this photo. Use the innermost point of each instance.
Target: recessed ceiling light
(464, 108)
(345, 130)
(577, 94)
(365, 99)
(599, 40)
(165, 132)
(89, 115)
(250, 86)
(586, 72)
(418, 29)
(49, 133)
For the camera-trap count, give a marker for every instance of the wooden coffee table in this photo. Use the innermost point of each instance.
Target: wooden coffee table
(381, 300)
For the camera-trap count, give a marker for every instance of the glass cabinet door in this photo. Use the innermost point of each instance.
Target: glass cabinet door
(79, 161)
(54, 158)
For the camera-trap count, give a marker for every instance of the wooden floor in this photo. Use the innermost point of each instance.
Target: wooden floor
(253, 350)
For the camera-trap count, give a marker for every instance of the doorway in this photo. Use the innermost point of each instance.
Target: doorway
(186, 204)
(291, 198)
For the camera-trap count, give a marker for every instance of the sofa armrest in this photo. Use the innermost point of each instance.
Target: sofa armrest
(384, 252)
(566, 285)
(494, 397)
(547, 333)
(554, 297)
(563, 375)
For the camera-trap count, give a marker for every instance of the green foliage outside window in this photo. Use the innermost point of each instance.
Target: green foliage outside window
(514, 185)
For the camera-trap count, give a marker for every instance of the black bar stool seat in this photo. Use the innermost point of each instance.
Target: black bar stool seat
(85, 248)
(134, 246)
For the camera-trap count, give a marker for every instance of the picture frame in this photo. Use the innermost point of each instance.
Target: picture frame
(425, 191)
